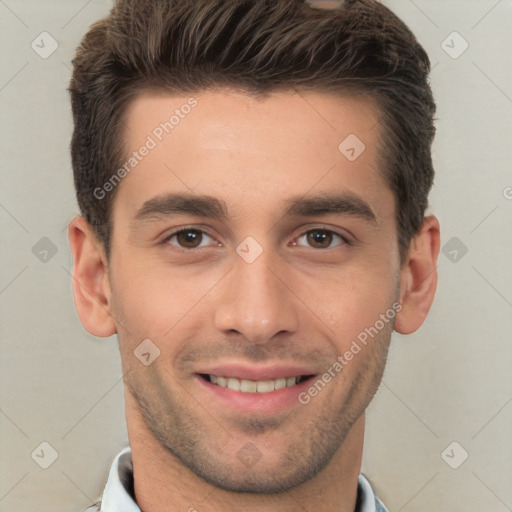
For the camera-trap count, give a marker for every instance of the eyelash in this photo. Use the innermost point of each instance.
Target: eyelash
(344, 240)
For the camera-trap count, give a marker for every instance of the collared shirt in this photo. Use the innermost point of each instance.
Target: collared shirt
(118, 495)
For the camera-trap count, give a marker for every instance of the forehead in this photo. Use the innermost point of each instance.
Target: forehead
(223, 142)
(219, 115)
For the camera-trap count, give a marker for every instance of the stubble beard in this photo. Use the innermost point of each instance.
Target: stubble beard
(317, 439)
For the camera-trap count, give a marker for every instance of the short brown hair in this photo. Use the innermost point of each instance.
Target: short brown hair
(257, 46)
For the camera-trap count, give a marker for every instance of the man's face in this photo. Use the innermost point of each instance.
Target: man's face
(265, 284)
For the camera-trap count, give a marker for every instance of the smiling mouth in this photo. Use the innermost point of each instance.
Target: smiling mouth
(254, 386)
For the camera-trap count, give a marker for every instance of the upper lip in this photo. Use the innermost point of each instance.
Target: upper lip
(251, 372)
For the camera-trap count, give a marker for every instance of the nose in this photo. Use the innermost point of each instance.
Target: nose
(256, 302)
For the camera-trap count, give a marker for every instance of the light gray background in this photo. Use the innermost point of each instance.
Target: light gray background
(450, 381)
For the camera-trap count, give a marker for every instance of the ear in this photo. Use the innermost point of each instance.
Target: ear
(418, 277)
(91, 285)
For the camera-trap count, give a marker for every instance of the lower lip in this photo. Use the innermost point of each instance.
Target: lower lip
(263, 403)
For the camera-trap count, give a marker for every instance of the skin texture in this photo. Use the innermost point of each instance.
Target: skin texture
(303, 300)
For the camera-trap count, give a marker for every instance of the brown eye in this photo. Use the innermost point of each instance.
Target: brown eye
(187, 238)
(321, 239)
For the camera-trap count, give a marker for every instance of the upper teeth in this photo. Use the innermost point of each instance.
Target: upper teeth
(253, 386)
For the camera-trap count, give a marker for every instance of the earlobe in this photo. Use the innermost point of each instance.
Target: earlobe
(91, 284)
(418, 277)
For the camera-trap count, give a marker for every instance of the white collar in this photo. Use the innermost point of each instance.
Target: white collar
(117, 496)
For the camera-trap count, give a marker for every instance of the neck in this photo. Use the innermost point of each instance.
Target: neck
(163, 484)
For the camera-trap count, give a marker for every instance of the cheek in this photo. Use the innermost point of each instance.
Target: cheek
(153, 301)
(349, 304)
(149, 307)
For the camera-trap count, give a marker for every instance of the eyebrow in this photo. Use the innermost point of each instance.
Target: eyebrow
(342, 203)
(211, 207)
(180, 204)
